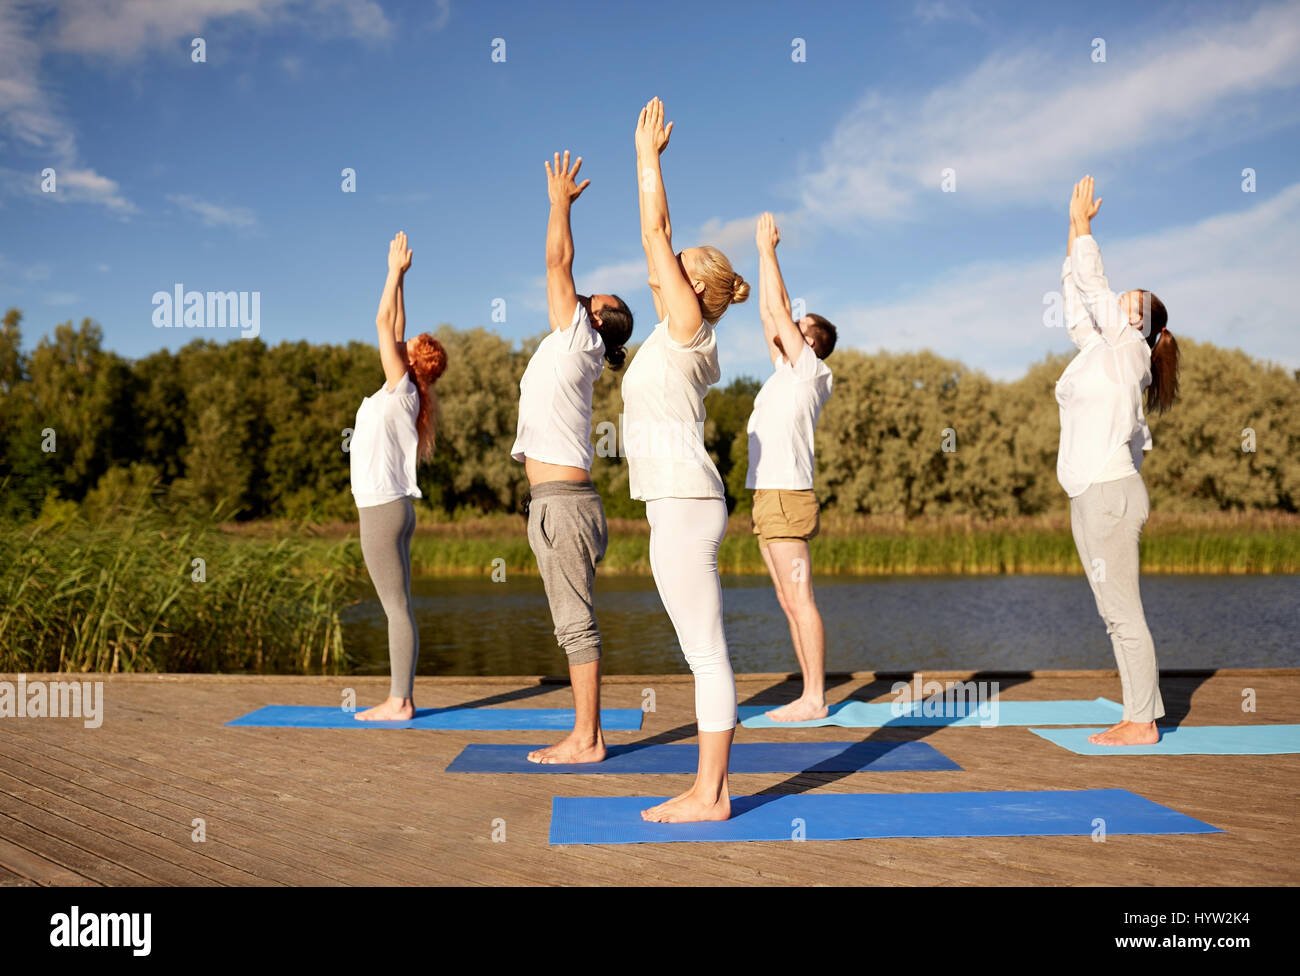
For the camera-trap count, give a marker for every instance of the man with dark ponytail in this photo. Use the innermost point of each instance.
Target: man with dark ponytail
(566, 519)
(1104, 436)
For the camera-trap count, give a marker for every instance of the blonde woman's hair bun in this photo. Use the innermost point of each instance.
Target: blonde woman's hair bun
(739, 290)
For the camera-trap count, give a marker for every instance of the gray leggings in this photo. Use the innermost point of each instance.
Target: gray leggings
(386, 532)
(1107, 521)
(568, 535)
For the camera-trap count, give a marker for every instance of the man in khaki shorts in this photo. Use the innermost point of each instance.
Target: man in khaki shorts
(786, 513)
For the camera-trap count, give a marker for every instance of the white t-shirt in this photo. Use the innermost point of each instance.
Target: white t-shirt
(663, 416)
(384, 445)
(1103, 429)
(784, 420)
(555, 396)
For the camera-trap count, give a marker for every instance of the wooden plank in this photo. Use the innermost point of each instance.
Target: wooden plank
(375, 807)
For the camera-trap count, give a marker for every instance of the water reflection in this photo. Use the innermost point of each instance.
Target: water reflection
(471, 627)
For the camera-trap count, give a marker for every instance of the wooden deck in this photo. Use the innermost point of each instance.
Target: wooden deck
(115, 805)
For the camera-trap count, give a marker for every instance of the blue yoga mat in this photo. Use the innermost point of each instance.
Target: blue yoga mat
(830, 816)
(746, 757)
(875, 715)
(445, 719)
(1189, 740)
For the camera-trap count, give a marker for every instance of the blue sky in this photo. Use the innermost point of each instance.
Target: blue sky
(226, 175)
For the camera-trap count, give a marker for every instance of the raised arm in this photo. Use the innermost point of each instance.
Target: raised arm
(392, 352)
(563, 188)
(774, 301)
(1094, 291)
(399, 318)
(1078, 320)
(673, 294)
(766, 238)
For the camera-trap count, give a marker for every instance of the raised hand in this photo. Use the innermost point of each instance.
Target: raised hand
(561, 179)
(768, 235)
(1082, 206)
(399, 255)
(651, 134)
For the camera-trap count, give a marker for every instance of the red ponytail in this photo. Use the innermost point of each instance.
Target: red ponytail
(427, 360)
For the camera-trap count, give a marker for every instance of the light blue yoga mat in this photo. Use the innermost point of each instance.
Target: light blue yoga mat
(858, 816)
(746, 757)
(443, 719)
(1189, 740)
(876, 715)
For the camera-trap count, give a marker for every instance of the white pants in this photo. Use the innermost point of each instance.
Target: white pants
(1107, 521)
(684, 537)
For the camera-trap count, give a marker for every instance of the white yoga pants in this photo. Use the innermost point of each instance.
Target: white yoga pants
(684, 537)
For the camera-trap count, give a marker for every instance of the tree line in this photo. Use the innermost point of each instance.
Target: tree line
(260, 431)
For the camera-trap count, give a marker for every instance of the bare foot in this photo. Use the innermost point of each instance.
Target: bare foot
(800, 710)
(392, 710)
(690, 807)
(1128, 734)
(573, 748)
(1114, 728)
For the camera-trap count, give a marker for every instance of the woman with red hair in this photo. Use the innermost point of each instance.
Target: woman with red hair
(394, 429)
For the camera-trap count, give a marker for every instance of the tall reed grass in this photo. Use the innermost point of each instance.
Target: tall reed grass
(1211, 543)
(125, 593)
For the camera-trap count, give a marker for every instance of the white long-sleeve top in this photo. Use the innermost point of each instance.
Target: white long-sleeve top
(1103, 429)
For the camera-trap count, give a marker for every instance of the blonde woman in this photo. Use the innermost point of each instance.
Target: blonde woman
(671, 471)
(394, 429)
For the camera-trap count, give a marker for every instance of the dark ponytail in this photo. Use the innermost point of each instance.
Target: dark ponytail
(616, 328)
(616, 356)
(1163, 390)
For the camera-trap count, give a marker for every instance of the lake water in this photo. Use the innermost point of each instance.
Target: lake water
(471, 627)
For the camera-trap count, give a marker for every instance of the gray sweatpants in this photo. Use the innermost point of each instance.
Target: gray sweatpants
(1107, 522)
(568, 535)
(386, 532)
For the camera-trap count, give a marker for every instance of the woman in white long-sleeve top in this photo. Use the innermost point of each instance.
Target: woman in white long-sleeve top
(1125, 351)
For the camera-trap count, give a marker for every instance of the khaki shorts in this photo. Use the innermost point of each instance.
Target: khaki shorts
(781, 515)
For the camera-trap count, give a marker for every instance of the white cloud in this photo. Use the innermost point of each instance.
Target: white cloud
(27, 114)
(442, 14)
(616, 278)
(61, 298)
(934, 11)
(32, 119)
(214, 214)
(1227, 279)
(84, 185)
(731, 237)
(1021, 124)
(124, 28)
